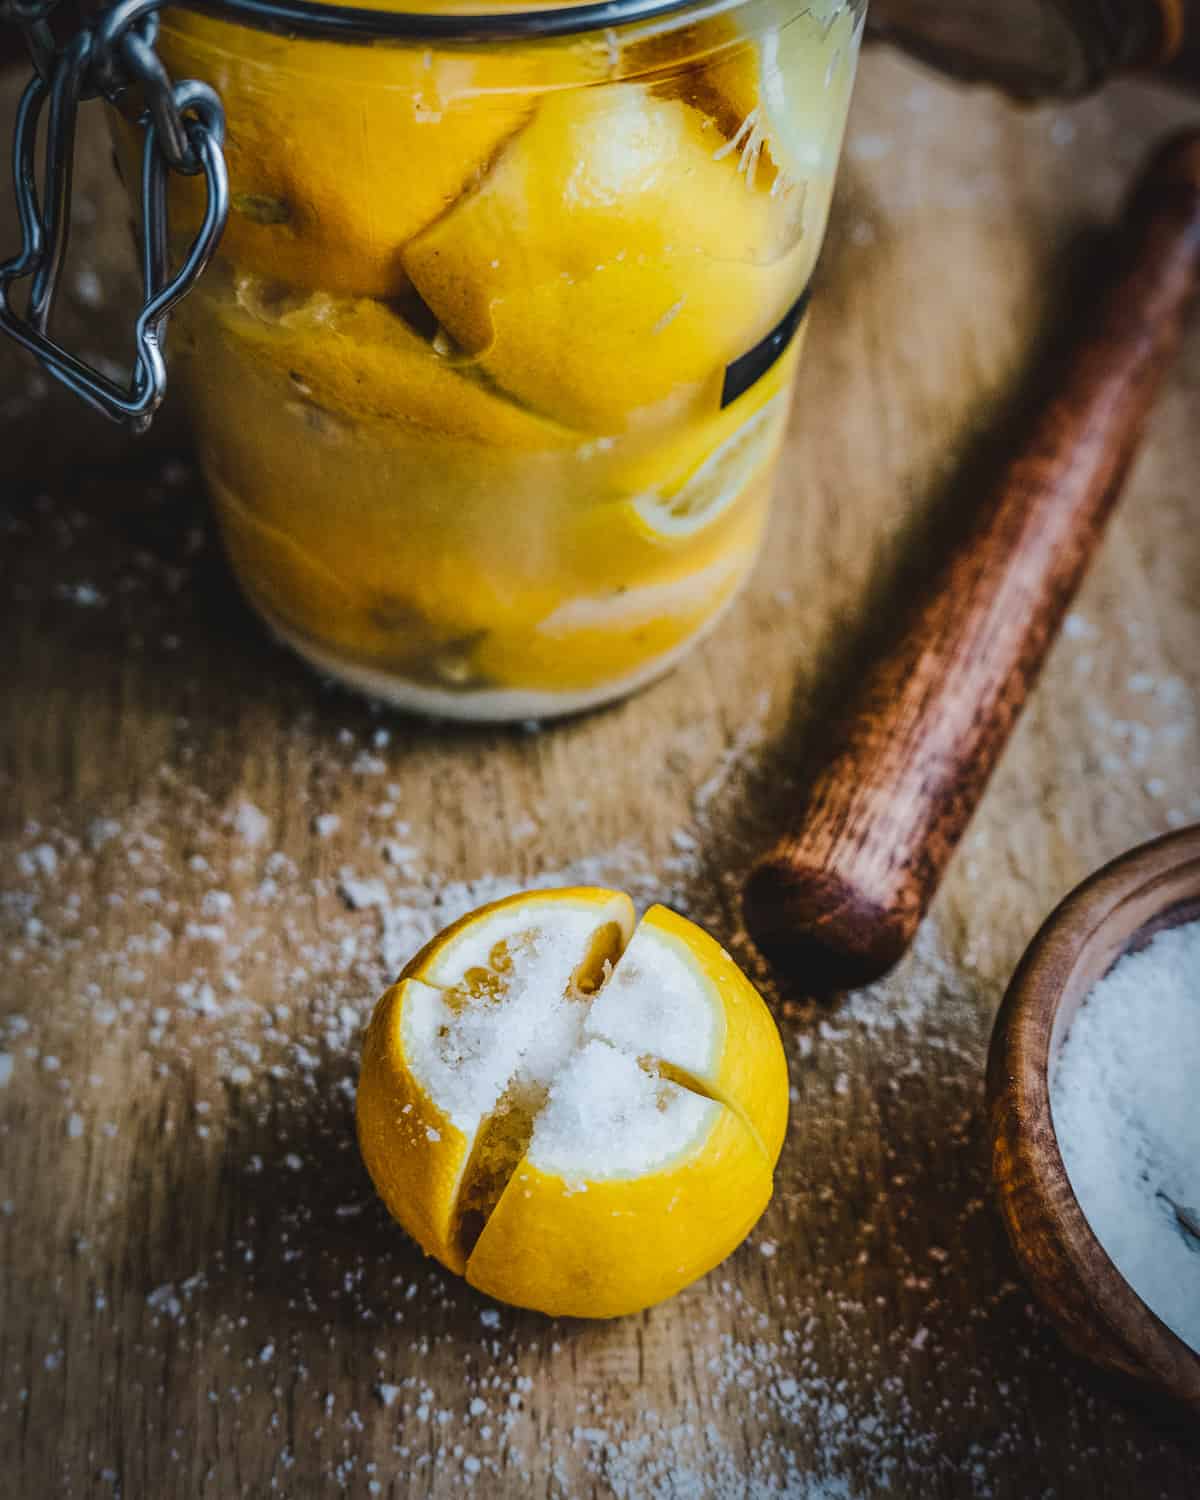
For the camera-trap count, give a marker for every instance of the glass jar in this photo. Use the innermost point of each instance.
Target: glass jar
(490, 370)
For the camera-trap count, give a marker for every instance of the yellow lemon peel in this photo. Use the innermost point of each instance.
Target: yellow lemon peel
(609, 262)
(339, 155)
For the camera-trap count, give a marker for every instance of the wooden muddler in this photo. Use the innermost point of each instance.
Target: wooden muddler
(839, 898)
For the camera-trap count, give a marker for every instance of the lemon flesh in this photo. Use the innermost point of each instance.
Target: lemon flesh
(576, 1119)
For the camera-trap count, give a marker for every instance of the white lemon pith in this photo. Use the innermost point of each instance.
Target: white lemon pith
(578, 1115)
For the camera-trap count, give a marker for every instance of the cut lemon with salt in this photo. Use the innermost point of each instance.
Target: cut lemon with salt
(579, 1116)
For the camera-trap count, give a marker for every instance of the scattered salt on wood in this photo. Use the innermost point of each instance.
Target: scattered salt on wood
(830, 1407)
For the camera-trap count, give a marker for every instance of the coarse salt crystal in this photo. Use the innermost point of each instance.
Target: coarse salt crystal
(468, 1056)
(42, 859)
(250, 823)
(607, 1115)
(360, 895)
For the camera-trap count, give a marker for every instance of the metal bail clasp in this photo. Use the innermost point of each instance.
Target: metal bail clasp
(185, 131)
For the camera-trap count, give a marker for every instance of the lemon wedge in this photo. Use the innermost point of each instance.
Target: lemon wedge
(338, 155)
(361, 361)
(721, 479)
(610, 260)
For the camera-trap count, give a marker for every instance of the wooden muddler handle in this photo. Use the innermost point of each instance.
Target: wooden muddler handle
(838, 899)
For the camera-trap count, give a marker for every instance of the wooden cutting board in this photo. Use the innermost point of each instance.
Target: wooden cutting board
(209, 862)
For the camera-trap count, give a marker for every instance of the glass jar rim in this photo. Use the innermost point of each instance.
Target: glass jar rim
(330, 21)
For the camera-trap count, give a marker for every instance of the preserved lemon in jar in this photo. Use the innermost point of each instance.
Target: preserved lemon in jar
(492, 366)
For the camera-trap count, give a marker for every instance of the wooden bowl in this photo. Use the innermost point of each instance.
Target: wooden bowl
(1116, 911)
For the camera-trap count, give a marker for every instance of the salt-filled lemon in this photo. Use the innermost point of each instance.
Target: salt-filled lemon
(612, 258)
(579, 1115)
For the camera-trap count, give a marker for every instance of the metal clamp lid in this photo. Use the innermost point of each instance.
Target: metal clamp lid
(185, 131)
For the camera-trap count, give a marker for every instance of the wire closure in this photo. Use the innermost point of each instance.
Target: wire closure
(185, 132)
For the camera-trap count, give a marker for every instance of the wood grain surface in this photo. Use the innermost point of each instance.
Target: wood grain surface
(839, 897)
(210, 861)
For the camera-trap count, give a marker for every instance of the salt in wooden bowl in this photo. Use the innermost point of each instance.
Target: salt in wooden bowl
(1117, 911)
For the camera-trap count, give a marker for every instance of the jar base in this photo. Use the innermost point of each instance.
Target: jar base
(481, 705)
